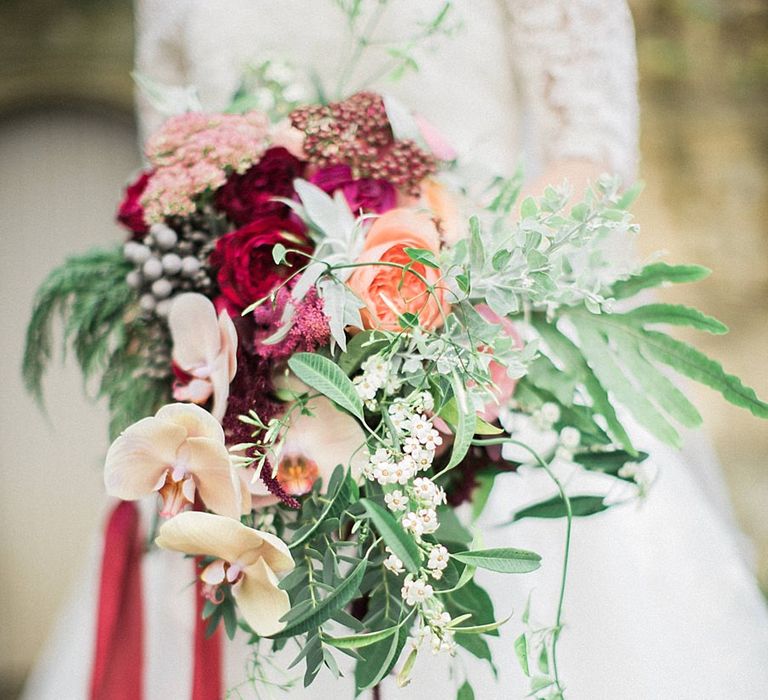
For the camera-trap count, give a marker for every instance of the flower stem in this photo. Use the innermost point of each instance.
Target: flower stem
(567, 552)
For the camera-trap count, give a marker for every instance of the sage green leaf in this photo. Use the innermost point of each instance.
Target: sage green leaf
(675, 314)
(400, 542)
(656, 385)
(607, 462)
(655, 275)
(476, 245)
(543, 374)
(555, 508)
(697, 366)
(576, 366)
(423, 256)
(317, 615)
(378, 660)
(601, 360)
(630, 195)
(521, 651)
(450, 414)
(465, 424)
(465, 692)
(544, 660)
(357, 641)
(451, 528)
(503, 560)
(325, 376)
(338, 499)
(481, 629)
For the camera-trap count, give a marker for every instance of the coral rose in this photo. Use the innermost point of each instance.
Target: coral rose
(388, 291)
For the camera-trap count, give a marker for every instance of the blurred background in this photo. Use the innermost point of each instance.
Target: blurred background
(68, 142)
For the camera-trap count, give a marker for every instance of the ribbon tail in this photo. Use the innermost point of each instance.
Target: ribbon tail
(207, 675)
(118, 667)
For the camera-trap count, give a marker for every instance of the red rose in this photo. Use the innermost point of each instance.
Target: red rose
(368, 194)
(130, 213)
(246, 269)
(250, 196)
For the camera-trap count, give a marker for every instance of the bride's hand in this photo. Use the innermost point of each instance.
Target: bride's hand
(579, 174)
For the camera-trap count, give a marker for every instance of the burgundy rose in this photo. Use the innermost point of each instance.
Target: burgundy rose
(250, 196)
(130, 213)
(246, 269)
(373, 196)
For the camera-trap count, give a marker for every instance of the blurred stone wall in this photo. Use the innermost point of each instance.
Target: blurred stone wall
(704, 145)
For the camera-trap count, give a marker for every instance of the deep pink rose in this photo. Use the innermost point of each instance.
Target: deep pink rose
(246, 269)
(250, 196)
(372, 196)
(130, 213)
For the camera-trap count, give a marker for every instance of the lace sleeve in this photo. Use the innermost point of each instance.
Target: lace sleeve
(576, 65)
(159, 55)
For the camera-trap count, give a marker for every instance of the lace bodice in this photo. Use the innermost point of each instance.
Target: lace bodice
(539, 79)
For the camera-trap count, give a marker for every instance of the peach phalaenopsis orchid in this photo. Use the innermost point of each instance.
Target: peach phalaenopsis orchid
(205, 348)
(247, 559)
(388, 291)
(176, 452)
(315, 443)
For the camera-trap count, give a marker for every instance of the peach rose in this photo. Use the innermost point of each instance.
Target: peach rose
(388, 292)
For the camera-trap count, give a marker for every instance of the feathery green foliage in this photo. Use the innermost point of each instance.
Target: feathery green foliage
(89, 293)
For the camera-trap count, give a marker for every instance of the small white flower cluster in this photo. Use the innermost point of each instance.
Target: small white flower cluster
(393, 563)
(569, 440)
(434, 626)
(416, 590)
(377, 374)
(547, 416)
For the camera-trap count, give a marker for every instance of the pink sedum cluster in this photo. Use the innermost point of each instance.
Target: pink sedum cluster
(195, 152)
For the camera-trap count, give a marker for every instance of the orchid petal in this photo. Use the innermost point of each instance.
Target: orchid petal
(196, 391)
(220, 383)
(208, 462)
(228, 343)
(259, 599)
(194, 329)
(328, 437)
(138, 458)
(214, 573)
(205, 534)
(195, 420)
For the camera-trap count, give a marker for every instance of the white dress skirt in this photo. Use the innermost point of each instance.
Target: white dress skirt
(661, 600)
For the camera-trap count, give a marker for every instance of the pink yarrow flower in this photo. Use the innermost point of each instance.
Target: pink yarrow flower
(194, 152)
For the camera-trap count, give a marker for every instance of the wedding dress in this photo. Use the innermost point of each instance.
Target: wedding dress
(660, 601)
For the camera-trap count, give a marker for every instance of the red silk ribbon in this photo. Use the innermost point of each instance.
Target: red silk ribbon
(118, 667)
(206, 673)
(119, 658)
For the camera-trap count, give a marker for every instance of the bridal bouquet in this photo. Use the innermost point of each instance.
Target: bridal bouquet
(319, 341)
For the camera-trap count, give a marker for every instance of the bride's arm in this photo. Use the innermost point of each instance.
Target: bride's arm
(576, 66)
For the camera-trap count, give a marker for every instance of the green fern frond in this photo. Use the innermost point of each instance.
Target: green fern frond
(89, 293)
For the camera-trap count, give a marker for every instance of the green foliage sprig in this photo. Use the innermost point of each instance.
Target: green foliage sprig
(89, 293)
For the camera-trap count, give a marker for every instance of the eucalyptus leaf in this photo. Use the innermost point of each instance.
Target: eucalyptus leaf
(317, 615)
(325, 376)
(400, 543)
(555, 508)
(502, 560)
